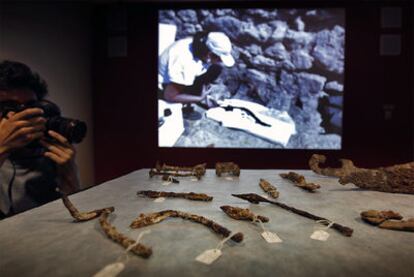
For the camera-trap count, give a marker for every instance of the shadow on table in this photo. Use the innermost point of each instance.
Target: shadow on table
(350, 189)
(59, 220)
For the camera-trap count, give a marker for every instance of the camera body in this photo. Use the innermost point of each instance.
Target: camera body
(72, 129)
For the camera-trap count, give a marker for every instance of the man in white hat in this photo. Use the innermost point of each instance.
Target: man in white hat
(189, 64)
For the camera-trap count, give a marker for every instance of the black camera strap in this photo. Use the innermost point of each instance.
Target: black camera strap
(10, 189)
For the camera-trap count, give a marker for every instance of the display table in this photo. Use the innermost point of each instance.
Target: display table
(46, 242)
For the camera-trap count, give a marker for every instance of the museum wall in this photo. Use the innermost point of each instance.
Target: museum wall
(378, 89)
(54, 39)
(100, 61)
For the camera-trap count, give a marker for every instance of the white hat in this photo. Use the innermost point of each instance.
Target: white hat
(220, 44)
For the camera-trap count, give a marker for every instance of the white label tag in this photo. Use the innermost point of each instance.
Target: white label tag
(271, 237)
(166, 183)
(209, 256)
(320, 235)
(110, 270)
(228, 178)
(265, 196)
(159, 200)
(194, 180)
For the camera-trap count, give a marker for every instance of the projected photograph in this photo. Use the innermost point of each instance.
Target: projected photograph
(251, 78)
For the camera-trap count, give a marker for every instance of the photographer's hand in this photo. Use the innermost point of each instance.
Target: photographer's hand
(63, 154)
(19, 129)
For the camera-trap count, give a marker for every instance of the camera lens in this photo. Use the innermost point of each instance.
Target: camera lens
(72, 129)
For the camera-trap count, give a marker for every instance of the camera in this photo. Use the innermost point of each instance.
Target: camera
(72, 129)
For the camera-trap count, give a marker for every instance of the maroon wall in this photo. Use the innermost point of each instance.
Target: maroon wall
(125, 111)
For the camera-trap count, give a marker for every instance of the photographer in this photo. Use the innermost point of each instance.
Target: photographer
(34, 161)
(189, 64)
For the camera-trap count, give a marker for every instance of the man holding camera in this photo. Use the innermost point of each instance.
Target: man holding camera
(34, 160)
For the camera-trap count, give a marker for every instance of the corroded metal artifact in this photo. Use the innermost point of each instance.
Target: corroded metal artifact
(346, 168)
(377, 217)
(256, 199)
(112, 233)
(185, 195)
(299, 181)
(227, 168)
(152, 218)
(242, 214)
(197, 171)
(402, 225)
(388, 220)
(268, 188)
(82, 216)
(397, 178)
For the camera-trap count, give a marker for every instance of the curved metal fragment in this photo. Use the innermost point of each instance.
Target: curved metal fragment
(153, 218)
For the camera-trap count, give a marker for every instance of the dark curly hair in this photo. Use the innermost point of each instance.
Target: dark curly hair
(16, 75)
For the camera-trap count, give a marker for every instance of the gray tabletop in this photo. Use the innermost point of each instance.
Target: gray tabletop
(46, 242)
